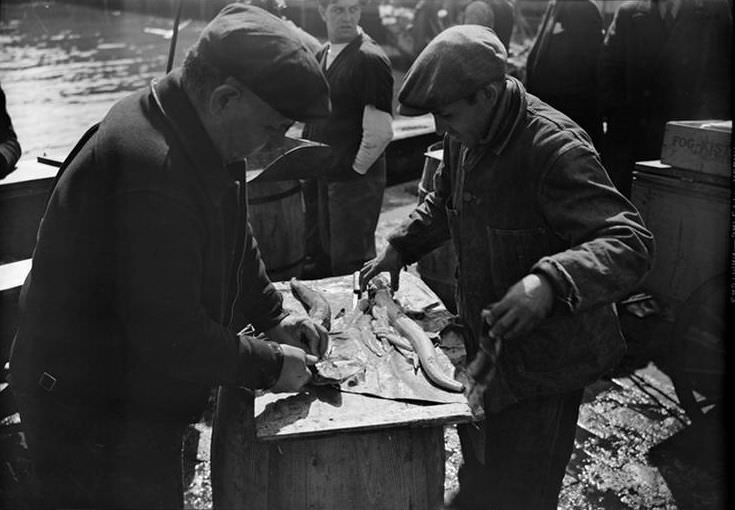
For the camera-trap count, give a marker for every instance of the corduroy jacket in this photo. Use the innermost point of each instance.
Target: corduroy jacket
(534, 197)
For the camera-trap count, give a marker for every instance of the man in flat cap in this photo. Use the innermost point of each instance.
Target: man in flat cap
(545, 245)
(146, 272)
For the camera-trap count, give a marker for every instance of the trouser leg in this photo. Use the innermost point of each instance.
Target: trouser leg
(66, 447)
(527, 448)
(146, 465)
(317, 257)
(354, 209)
(471, 474)
(86, 457)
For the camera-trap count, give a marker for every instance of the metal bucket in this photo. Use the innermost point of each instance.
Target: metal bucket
(438, 268)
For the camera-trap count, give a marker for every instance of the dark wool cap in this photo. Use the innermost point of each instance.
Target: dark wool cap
(454, 65)
(267, 56)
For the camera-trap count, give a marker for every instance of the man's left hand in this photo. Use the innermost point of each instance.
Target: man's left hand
(525, 304)
(301, 332)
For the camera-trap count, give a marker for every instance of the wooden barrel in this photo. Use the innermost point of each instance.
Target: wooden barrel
(276, 213)
(437, 269)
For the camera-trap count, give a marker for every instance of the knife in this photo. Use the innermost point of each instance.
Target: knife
(356, 292)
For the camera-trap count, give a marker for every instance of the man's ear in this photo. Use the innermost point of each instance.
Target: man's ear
(322, 12)
(489, 93)
(221, 97)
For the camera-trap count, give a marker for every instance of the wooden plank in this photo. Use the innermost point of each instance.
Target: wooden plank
(29, 170)
(279, 416)
(13, 274)
(657, 167)
(391, 470)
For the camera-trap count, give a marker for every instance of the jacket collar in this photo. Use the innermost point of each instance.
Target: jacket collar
(507, 115)
(350, 48)
(169, 97)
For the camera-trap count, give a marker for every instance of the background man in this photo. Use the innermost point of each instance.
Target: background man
(9, 146)
(561, 69)
(359, 129)
(145, 270)
(544, 245)
(661, 60)
(495, 14)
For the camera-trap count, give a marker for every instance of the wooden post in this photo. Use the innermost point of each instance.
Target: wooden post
(233, 455)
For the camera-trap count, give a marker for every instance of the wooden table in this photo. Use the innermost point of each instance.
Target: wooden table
(326, 449)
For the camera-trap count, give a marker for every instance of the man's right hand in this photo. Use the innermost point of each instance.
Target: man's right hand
(389, 260)
(295, 371)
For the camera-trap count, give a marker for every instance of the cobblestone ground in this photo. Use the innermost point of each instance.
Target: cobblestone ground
(635, 448)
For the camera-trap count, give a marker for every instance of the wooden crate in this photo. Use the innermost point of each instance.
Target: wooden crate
(701, 146)
(392, 467)
(691, 224)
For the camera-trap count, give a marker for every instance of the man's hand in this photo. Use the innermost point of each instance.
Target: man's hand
(295, 371)
(521, 309)
(301, 332)
(389, 260)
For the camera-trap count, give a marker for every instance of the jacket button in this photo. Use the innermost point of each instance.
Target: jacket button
(468, 197)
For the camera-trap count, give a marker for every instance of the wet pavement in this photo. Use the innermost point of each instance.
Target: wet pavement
(62, 66)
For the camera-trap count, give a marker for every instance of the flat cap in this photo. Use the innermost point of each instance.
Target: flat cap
(454, 65)
(266, 55)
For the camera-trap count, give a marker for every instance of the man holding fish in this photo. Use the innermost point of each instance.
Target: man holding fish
(545, 245)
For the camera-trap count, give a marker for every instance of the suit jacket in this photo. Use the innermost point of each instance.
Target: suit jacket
(562, 66)
(144, 268)
(649, 75)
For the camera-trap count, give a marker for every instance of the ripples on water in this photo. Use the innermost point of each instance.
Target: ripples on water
(62, 66)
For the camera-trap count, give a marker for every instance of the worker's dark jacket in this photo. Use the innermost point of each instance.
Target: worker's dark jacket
(503, 20)
(533, 196)
(143, 269)
(561, 68)
(359, 76)
(650, 75)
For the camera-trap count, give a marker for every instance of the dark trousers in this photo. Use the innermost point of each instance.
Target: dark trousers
(526, 449)
(84, 457)
(346, 215)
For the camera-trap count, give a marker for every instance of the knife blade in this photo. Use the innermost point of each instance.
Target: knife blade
(356, 292)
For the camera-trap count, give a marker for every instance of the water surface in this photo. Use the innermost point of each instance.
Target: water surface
(62, 66)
